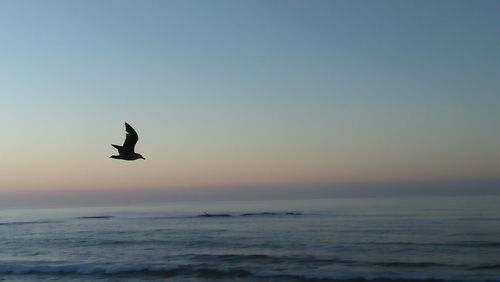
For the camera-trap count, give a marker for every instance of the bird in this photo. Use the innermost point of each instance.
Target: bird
(126, 152)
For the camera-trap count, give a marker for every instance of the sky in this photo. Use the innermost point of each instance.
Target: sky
(247, 94)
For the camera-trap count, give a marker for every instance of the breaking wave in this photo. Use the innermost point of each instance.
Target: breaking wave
(210, 272)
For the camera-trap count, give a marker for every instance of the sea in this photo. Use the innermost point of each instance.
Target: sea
(364, 239)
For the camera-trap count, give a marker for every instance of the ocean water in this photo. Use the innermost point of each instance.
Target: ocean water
(396, 239)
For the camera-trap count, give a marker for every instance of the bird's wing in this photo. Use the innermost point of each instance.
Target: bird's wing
(130, 140)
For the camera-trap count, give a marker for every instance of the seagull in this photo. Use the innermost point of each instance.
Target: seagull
(126, 152)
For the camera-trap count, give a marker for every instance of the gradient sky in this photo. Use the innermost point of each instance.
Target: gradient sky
(242, 93)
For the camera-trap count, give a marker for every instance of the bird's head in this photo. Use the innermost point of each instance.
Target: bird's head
(137, 156)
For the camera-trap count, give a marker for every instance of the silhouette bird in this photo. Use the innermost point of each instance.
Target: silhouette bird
(126, 152)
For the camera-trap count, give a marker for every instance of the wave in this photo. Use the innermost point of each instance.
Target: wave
(478, 244)
(271, 213)
(89, 269)
(311, 260)
(96, 217)
(484, 267)
(203, 215)
(26, 222)
(465, 244)
(111, 242)
(213, 272)
(479, 218)
(260, 258)
(252, 214)
(86, 269)
(408, 264)
(214, 215)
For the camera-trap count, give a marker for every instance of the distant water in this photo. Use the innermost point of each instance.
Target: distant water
(424, 239)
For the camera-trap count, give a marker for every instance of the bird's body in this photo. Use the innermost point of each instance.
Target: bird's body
(126, 152)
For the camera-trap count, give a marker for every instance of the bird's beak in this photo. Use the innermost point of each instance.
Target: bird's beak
(143, 158)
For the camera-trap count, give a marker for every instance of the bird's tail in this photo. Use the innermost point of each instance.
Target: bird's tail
(119, 148)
